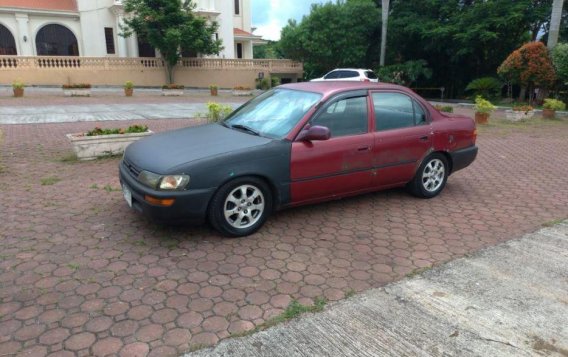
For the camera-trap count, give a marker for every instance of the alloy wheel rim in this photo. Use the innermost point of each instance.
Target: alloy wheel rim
(433, 175)
(244, 206)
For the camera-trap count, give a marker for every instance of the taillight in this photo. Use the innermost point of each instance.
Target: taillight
(365, 80)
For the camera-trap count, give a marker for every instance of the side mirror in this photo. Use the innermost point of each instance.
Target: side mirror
(314, 133)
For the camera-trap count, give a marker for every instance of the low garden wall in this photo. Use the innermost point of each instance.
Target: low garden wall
(191, 72)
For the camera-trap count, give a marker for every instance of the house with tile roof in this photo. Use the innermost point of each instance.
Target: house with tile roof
(91, 28)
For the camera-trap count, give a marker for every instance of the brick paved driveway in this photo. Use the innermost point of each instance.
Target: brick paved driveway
(80, 274)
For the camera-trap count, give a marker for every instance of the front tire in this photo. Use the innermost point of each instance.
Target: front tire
(240, 207)
(431, 177)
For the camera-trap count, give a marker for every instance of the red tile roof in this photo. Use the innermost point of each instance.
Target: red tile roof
(238, 32)
(63, 5)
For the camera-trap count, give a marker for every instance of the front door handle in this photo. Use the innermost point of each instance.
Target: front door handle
(424, 138)
(364, 148)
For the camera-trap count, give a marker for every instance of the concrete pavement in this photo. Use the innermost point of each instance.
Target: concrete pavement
(100, 112)
(510, 300)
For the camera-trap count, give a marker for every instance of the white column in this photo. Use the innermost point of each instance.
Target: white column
(132, 45)
(22, 36)
(122, 45)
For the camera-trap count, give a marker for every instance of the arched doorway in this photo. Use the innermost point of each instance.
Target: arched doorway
(7, 42)
(56, 40)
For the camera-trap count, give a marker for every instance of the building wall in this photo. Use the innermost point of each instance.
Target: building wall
(90, 18)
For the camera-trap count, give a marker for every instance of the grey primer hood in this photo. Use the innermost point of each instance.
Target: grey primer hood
(162, 152)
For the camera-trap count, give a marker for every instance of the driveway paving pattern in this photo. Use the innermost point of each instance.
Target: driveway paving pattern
(82, 275)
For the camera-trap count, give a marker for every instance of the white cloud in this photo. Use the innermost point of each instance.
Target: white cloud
(279, 11)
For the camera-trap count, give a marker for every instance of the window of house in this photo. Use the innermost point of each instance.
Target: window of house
(109, 38)
(145, 49)
(239, 50)
(237, 7)
(56, 40)
(345, 117)
(7, 42)
(396, 110)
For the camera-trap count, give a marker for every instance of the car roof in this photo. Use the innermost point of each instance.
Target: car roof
(329, 88)
(351, 69)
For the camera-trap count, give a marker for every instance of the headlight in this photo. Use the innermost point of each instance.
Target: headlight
(174, 182)
(149, 179)
(166, 183)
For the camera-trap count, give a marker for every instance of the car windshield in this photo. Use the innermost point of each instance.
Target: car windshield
(274, 113)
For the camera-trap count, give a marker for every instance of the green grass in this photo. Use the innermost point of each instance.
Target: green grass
(349, 293)
(500, 125)
(554, 222)
(49, 181)
(69, 158)
(418, 271)
(109, 188)
(140, 243)
(293, 310)
(73, 266)
(94, 187)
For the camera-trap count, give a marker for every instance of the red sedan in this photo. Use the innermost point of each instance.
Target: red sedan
(297, 144)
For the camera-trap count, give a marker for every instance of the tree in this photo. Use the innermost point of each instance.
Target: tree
(384, 28)
(560, 61)
(555, 21)
(170, 26)
(530, 66)
(333, 35)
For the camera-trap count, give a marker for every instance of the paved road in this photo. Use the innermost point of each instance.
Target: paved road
(83, 275)
(511, 300)
(100, 112)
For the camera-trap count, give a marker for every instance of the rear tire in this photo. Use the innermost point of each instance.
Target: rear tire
(240, 207)
(431, 177)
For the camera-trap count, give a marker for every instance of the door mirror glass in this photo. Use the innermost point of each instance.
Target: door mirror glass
(314, 133)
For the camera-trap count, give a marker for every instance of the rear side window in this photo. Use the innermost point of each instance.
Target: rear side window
(371, 75)
(348, 74)
(393, 111)
(345, 117)
(332, 75)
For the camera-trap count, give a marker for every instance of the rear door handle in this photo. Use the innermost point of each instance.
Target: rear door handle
(364, 148)
(424, 138)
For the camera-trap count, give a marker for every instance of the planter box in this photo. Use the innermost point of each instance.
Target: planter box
(242, 93)
(172, 92)
(92, 147)
(77, 92)
(518, 116)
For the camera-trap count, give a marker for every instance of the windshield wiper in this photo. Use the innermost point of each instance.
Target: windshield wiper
(245, 128)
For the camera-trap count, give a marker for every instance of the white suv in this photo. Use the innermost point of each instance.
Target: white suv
(349, 74)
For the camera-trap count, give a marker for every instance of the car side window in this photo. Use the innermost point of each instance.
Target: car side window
(393, 111)
(419, 114)
(349, 74)
(345, 117)
(332, 75)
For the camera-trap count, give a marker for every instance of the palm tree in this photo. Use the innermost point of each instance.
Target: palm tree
(555, 20)
(385, 10)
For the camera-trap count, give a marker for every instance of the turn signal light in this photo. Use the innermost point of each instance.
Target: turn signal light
(474, 136)
(162, 202)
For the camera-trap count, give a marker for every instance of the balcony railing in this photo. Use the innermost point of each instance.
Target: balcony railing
(121, 63)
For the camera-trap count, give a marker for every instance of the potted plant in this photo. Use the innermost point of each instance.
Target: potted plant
(520, 112)
(483, 108)
(172, 90)
(77, 90)
(105, 142)
(128, 88)
(444, 108)
(18, 88)
(550, 107)
(241, 91)
(217, 112)
(214, 90)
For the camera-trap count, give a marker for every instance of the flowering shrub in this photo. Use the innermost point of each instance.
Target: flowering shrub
(173, 86)
(77, 86)
(529, 65)
(523, 108)
(130, 130)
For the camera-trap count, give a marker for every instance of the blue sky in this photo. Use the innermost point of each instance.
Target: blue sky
(269, 16)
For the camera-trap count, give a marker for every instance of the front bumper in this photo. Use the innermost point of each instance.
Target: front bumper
(189, 207)
(463, 158)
